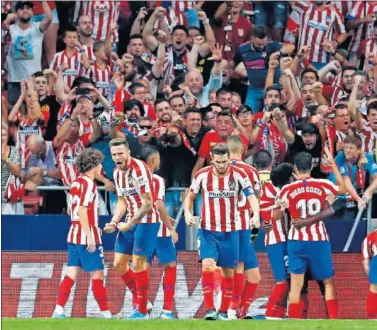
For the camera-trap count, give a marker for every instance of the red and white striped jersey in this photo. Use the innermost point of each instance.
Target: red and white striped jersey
(344, 7)
(74, 65)
(159, 189)
(305, 198)
(244, 213)
(83, 192)
(103, 13)
(5, 6)
(268, 199)
(220, 197)
(66, 161)
(182, 5)
(102, 78)
(85, 130)
(64, 112)
(26, 128)
(317, 26)
(133, 182)
(369, 138)
(364, 31)
(368, 46)
(90, 53)
(292, 28)
(369, 245)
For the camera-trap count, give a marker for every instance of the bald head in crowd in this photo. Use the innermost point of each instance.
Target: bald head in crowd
(194, 80)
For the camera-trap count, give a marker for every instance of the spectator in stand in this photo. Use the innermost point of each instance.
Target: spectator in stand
(209, 115)
(25, 52)
(234, 29)
(73, 58)
(359, 23)
(224, 98)
(51, 34)
(85, 30)
(233, 83)
(275, 12)
(133, 109)
(224, 128)
(11, 187)
(245, 118)
(138, 92)
(317, 23)
(178, 104)
(251, 60)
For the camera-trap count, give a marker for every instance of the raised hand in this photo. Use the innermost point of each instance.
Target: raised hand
(217, 53)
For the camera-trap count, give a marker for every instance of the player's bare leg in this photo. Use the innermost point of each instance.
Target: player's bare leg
(100, 293)
(253, 279)
(65, 290)
(295, 305)
(372, 302)
(122, 267)
(277, 302)
(227, 285)
(208, 286)
(140, 266)
(239, 283)
(330, 296)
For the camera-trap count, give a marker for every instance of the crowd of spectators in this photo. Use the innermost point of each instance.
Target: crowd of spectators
(182, 76)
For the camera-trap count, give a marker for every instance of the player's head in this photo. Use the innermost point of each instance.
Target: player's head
(262, 160)
(151, 156)
(303, 163)
(282, 174)
(235, 145)
(352, 147)
(90, 160)
(120, 152)
(220, 158)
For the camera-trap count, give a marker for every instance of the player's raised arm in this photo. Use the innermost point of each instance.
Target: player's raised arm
(338, 176)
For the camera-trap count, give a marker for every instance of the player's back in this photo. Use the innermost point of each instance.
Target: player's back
(305, 198)
(83, 192)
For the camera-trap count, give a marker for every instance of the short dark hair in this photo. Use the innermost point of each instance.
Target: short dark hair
(349, 68)
(135, 36)
(179, 27)
(158, 101)
(259, 32)
(98, 45)
(69, 28)
(355, 140)
(88, 159)
(310, 70)
(129, 104)
(281, 174)
(223, 90)
(272, 88)
(191, 110)
(220, 149)
(132, 88)
(340, 106)
(262, 160)
(147, 152)
(372, 106)
(119, 142)
(82, 80)
(177, 96)
(224, 113)
(303, 162)
(194, 28)
(38, 74)
(361, 73)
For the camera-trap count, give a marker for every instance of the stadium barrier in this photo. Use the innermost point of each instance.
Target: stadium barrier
(30, 281)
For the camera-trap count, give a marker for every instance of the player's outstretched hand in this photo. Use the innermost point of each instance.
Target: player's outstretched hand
(109, 227)
(298, 223)
(91, 244)
(124, 226)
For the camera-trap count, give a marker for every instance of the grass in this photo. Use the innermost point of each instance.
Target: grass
(100, 324)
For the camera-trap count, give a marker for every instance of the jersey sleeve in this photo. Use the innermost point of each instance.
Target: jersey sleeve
(330, 188)
(339, 25)
(365, 248)
(196, 184)
(116, 181)
(160, 189)
(142, 179)
(244, 182)
(86, 193)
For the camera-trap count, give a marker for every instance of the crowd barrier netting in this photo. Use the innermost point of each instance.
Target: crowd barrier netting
(30, 281)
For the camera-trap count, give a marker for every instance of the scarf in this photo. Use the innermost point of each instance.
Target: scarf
(14, 190)
(228, 28)
(360, 183)
(271, 139)
(327, 141)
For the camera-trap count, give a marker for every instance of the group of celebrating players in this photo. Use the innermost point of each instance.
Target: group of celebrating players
(235, 196)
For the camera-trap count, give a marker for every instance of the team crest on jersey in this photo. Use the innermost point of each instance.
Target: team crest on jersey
(264, 54)
(102, 7)
(241, 32)
(232, 185)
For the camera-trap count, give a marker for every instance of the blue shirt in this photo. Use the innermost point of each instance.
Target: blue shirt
(341, 162)
(256, 62)
(108, 164)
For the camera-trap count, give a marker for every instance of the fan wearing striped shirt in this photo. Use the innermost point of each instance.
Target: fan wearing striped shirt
(85, 250)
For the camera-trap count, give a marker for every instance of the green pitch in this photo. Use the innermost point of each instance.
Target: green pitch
(98, 324)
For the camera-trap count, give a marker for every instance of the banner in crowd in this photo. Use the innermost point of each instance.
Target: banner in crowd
(30, 281)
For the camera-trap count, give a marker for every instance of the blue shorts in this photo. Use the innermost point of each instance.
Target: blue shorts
(373, 271)
(314, 255)
(223, 247)
(79, 256)
(140, 240)
(245, 240)
(40, 18)
(278, 257)
(164, 251)
(252, 261)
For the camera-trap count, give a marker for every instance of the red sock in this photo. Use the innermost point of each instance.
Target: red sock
(305, 301)
(248, 295)
(239, 283)
(64, 291)
(227, 285)
(276, 306)
(208, 287)
(129, 280)
(100, 294)
(372, 305)
(295, 310)
(170, 278)
(142, 288)
(332, 308)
